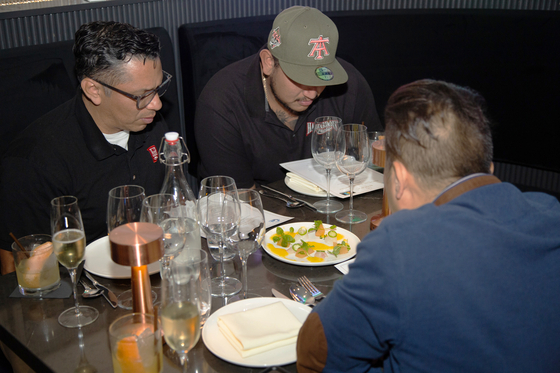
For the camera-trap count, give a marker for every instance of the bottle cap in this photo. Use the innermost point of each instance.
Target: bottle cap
(171, 137)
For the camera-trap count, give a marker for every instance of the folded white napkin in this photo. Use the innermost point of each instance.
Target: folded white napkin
(301, 181)
(260, 329)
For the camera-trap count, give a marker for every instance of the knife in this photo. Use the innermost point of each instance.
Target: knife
(107, 293)
(278, 294)
(290, 197)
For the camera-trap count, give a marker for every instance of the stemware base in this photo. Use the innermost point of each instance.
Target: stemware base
(239, 297)
(225, 286)
(328, 207)
(124, 300)
(71, 319)
(351, 217)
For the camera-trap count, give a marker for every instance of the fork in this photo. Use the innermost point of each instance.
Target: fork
(89, 292)
(309, 286)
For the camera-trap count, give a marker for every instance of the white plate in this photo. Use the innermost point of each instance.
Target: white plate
(302, 189)
(98, 261)
(219, 345)
(353, 241)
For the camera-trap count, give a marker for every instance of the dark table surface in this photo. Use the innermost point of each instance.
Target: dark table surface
(30, 326)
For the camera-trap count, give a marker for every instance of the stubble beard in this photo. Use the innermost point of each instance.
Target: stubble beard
(282, 103)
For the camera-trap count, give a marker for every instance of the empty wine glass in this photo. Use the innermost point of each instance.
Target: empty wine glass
(125, 206)
(180, 315)
(69, 245)
(218, 213)
(352, 157)
(323, 148)
(166, 211)
(250, 230)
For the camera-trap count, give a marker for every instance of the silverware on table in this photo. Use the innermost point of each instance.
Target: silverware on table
(107, 293)
(289, 204)
(278, 294)
(302, 295)
(90, 292)
(309, 286)
(290, 197)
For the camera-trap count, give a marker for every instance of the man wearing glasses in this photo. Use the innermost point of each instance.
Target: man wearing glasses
(107, 135)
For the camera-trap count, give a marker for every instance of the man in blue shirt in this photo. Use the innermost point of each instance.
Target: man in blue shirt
(463, 276)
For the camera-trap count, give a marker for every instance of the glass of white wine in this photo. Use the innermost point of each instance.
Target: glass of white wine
(69, 243)
(180, 308)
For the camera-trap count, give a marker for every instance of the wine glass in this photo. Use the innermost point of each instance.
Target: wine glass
(193, 254)
(352, 157)
(69, 244)
(166, 211)
(180, 309)
(218, 213)
(125, 206)
(323, 148)
(250, 230)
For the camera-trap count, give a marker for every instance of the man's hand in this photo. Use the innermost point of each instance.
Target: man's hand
(6, 262)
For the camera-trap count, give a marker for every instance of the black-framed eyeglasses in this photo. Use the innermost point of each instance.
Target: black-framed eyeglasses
(146, 98)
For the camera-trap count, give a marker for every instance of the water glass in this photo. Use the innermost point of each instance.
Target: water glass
(218, 213)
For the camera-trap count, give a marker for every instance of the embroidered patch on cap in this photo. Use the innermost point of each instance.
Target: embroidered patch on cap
(275, 38)
(154, 153)
(318, 48)
(324, 73)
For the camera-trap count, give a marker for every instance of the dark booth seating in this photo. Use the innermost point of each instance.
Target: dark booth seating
(511, 57)
(36, 79)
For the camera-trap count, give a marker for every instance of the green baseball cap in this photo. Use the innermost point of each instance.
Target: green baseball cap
(304, 41)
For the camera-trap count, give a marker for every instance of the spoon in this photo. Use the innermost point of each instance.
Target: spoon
(302, 295)
(289, 204)
(90, 292)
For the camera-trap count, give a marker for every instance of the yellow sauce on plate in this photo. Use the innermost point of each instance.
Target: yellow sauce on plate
(314, 259)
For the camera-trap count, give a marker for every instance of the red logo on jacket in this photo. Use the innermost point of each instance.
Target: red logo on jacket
(154, 153)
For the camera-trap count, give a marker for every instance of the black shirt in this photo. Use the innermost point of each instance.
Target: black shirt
(65, 153)
(236, 136)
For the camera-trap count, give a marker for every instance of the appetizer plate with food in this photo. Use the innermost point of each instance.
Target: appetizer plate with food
(310, 244)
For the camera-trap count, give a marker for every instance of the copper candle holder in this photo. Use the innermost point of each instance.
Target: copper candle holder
(137, 245)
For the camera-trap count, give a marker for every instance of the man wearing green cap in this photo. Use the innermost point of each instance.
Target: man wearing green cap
(259, 112)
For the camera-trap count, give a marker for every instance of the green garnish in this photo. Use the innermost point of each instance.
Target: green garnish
(285, 239)
(304, 248)
(336, 250)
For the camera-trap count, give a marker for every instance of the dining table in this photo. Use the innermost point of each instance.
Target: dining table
(30, 328)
